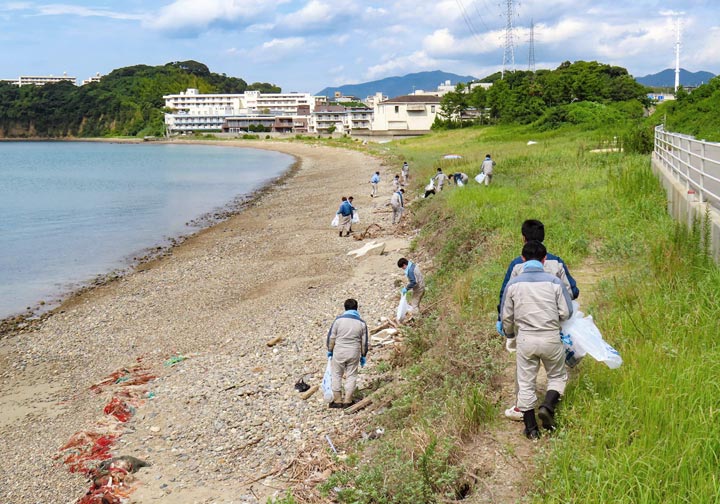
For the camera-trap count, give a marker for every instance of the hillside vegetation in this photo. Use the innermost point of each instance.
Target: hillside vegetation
(696, 113)
(550, 97)
(646, 432)
(126, 102)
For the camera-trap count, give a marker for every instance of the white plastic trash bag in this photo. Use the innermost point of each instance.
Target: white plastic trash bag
(460, 183)
(573, 352)
(336, 221)
(355, 217)
(402, 309)
(580, 336)
(480, 178)
(327, 383)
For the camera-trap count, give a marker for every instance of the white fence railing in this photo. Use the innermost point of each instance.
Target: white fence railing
(694, 163)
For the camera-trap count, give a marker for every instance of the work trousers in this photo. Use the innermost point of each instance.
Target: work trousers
(417, 294)
(532, 349)
(488, 178)
(347, 365)
(397, 213)
(374, 189)
(345, 223)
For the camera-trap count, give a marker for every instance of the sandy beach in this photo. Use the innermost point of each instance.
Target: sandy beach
(221, 421)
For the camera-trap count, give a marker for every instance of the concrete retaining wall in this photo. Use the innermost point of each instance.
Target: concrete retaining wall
(685, 206)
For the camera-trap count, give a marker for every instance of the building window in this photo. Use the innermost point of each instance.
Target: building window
(432, 109)
(397, 109)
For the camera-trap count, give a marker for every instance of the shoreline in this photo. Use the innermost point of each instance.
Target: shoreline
(27, 320)
(228, 411)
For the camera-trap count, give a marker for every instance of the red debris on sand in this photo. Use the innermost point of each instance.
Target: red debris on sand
(136, 375)
(98, 450)
(85, 450)
(119, 409)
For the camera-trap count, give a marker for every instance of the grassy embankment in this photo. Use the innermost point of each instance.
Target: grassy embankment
(647, 432)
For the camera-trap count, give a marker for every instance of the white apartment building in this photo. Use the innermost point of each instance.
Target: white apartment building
(194, 111)
(325, 117)
(94, 78)
(41, 80)
(406, 114)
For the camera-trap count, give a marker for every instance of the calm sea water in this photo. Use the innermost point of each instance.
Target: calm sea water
(70, 211)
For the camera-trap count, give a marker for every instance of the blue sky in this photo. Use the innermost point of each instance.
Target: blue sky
(304, 45)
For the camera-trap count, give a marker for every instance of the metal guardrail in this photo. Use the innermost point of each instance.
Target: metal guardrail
(694, 163)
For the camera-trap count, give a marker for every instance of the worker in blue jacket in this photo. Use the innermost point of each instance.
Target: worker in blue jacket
(345, 212)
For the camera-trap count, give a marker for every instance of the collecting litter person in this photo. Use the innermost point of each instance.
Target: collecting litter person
(396, 184)
(374, 181)
(440, 179)
(405, 172)
(533, 306)
(533, 229)
(487, 167)
(345, 212)
(347, 345)
(460, 177)
(416, 283)
(397, 202)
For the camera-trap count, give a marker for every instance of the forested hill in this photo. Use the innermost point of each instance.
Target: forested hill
(126, 102)
(694, 113)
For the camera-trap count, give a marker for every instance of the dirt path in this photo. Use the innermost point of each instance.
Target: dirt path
(226, 413)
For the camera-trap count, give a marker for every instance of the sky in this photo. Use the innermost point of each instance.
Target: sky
(306, 45)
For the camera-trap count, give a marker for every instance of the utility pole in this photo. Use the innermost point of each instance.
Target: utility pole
(509, 54)
(677, 54)
(531, 54)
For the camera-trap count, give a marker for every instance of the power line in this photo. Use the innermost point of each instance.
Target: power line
(468, 20)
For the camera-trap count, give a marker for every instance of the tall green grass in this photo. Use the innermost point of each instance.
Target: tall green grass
(646, 432)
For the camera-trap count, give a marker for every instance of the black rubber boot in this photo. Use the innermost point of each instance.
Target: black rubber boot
(546, 412)
(531, 426)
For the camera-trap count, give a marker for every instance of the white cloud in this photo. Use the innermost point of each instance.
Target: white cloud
(67, 10)
(277, 49)
(445, 44)
(75, 10)
(415, 62)
(15, 6)
(317, 17)
(194, 15)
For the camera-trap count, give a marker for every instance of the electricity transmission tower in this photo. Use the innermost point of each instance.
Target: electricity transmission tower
(509, 54)
(677, 55)
(531, 52)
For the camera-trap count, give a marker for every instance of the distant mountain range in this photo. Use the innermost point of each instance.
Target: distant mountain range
(398, 86)
(666, 78)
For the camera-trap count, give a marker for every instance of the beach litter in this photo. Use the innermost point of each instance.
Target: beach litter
(88, 452)
(174, 360)
(370, 248)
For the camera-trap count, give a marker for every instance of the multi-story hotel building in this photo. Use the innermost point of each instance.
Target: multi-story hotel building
(194, 111)
(41, 80)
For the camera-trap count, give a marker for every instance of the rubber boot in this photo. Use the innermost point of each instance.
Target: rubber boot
(337, 400)
(531, 426)
(546, 412)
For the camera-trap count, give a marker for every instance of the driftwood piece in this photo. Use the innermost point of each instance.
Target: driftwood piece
(274, 341)
(358, 406)
(309, 392)
(379, 328)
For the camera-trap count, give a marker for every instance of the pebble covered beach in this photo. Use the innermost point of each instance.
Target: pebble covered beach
(217, 415)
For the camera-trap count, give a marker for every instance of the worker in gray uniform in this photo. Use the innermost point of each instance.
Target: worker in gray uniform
(347, 344)
(533, 305)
